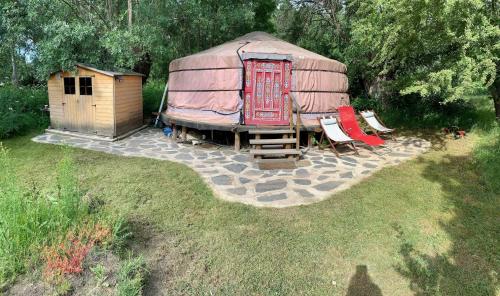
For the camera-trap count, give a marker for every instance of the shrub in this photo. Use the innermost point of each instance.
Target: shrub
(20, 109)
(414, 112)
(361, 103)
(487, 157)
(31, 219)
(152, 93)
(67, 256)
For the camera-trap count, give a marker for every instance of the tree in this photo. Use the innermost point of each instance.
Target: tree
(263, 10)
(13, 33)
(431, 48)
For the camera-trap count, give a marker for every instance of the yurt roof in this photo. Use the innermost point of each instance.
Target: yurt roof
(226, 55)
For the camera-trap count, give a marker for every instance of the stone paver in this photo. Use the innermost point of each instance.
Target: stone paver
(235, 177)
(270, 185)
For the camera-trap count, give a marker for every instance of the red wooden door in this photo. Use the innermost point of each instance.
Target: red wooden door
(267, 91)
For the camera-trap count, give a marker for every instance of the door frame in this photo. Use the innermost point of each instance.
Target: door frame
(251, 88)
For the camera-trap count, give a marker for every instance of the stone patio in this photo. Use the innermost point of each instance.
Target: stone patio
(235, 177)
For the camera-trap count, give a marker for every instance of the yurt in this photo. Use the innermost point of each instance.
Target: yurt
(256, 81)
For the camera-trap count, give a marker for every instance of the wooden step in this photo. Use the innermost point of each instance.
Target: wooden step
(276, 164)
(270, 131)
(272, 146)
(275, 152)
(272, 141)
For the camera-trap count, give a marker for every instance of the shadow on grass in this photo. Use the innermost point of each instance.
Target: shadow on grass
(361, 284)
(436, 138)
(471, 264)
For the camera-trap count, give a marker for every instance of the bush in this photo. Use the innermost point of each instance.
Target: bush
(487, 157)
(31, 219)
(414, 112)
(360, 104)
(20, 109)
(152, 93)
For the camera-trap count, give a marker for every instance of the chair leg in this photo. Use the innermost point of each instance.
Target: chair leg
(320, 144)
(333, 147)
(335, 151)
(354, 147)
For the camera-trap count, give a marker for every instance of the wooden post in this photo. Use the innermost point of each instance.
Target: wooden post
(257, 137)
(297, 127)
(287, 146)
(309, 139)
(237, 141)
(184, 133)
(161, 104)
(174, 131)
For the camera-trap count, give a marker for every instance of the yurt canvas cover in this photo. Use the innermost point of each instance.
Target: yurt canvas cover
(207, 87)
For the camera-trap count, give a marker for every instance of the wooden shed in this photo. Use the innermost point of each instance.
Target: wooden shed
(96, 102)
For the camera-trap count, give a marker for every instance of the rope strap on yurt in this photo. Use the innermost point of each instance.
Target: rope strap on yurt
(297, 125)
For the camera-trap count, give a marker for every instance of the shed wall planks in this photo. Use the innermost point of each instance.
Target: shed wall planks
(55, 92)
(128, 103)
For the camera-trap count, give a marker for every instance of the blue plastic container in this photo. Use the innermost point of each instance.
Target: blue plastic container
(167, 132)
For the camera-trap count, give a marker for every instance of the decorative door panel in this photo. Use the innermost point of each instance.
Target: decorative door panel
(267, 91)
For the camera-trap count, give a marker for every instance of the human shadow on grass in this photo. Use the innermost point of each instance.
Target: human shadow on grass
(361, 284)
(470, 266)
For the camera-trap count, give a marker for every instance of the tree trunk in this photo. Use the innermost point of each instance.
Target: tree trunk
(494, 90)
(110, 11)
(129, 14)
(14, 68)
(497, 109)
(144, 66)
(496, 103)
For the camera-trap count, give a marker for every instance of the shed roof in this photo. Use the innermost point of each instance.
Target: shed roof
(114, 72)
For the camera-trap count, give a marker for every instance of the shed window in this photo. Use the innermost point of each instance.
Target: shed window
(69, 85)
(85, 86)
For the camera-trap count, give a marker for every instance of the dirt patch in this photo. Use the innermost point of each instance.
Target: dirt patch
(99, 277)
(155, 248)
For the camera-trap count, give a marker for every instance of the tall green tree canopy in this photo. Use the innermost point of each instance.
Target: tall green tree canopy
(426, 47)
(145, 35)
(442, 50)
(429, 50)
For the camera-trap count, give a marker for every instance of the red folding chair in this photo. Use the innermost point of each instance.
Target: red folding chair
(351, 127)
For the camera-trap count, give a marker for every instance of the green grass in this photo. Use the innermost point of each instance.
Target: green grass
(33, 217)
(428, 226)
(131, 277)
(487, 156)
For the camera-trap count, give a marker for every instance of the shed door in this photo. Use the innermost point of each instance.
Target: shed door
(86, 114)
(70, 96)
(267, 88)
(78, 105)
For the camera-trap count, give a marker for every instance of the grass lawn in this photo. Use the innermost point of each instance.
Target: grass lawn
(428, 226)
